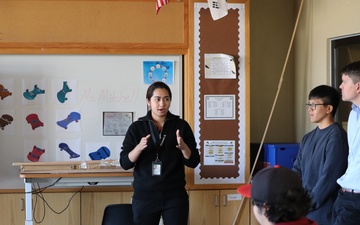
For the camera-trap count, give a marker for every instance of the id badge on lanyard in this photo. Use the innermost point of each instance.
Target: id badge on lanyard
(156, 167)
(156, 164)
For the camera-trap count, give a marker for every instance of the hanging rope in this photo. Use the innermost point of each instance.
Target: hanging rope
(273, 107)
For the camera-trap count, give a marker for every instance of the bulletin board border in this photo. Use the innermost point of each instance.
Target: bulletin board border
(190, 107)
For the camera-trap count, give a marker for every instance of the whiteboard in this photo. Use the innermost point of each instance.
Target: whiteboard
(98, 83)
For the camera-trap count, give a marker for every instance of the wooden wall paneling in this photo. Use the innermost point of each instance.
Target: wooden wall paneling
(13, 210)
(215, 207)
(204, 207)
(66, 208)
(229, 209)
(94, 203)
(93, 27)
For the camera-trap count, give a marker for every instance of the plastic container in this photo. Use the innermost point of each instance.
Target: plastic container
(281, 154)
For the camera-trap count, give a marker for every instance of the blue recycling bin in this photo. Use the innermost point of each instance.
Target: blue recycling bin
(281, 154)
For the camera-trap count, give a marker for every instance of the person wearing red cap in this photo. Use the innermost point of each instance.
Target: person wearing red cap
(278, 197)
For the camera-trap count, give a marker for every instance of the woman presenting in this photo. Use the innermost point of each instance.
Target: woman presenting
(158, 146)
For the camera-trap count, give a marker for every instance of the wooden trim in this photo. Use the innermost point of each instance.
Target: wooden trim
(98, 0)
(186, 25)
(92, 48)
(189, 85)
(247, 90)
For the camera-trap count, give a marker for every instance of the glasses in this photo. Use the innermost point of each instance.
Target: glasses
(312, 106)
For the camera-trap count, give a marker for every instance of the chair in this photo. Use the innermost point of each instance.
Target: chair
(118, 214)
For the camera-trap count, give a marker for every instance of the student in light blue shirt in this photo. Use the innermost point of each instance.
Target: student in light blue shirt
(347, 205)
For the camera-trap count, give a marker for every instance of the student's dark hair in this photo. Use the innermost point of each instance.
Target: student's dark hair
(156, 85)
(352, 70)
(295, 204)
(328, 94)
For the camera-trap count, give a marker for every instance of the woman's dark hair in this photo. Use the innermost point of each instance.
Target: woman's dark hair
(296, 204)
(328, 95)
(156, 85)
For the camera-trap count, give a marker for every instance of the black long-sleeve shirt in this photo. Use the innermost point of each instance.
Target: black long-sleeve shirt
(171, 183)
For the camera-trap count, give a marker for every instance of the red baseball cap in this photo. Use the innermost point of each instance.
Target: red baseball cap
(270, 184)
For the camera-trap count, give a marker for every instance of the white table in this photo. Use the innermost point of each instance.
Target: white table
(71, 176)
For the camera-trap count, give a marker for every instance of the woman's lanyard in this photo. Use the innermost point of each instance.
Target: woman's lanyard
(156, 165)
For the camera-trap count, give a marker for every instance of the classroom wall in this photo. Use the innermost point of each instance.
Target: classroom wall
(94, 21)
(321, 20)
(271, 27)
(308, 66)
(98, 21)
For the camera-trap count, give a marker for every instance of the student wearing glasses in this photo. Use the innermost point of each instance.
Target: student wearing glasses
(323, 152)
(347, 205)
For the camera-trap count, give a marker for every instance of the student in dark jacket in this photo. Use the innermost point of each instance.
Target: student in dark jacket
(158, 146)
(323, 153)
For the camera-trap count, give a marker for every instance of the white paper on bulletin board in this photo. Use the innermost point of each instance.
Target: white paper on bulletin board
(219, 152)
(219, 107)
(219, 66)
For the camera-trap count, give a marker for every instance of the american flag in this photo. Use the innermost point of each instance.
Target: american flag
(160, 3)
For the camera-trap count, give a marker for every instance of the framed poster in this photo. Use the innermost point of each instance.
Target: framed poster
(116, 123)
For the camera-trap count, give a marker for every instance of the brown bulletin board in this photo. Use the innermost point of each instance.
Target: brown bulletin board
(213, 40)
(225, 36)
